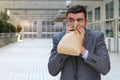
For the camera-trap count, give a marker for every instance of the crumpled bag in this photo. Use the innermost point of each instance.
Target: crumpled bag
(70, 44)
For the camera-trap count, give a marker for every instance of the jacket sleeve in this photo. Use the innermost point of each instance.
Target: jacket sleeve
(99, 58)
(56, 61)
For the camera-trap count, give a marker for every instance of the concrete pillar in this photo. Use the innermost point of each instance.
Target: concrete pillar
(39, 28)
(116, 15)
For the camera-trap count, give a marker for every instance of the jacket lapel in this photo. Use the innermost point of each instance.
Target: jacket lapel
(87, 39)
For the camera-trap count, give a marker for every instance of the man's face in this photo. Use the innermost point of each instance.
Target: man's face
(76, 17)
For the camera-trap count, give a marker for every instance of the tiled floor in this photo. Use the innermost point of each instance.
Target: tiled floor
(27, 60)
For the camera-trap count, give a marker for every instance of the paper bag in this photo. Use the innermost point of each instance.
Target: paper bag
(70, 44)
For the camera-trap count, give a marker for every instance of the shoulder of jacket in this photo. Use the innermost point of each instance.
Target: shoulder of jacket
(59, 35)
(96, 33)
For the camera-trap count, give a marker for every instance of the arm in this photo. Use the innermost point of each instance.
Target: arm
(56, 61)
(99, 59)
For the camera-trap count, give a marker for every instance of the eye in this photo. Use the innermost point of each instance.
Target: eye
(79, 20)
(70, 20)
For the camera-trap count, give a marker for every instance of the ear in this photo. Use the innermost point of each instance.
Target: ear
(86, 21)
(66, 21)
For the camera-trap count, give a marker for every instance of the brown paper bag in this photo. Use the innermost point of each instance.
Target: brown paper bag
(70, 44)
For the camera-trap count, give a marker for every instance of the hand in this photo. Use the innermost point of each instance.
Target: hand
(70, 28)
(83, 51)
(82, 34)
(81, 30)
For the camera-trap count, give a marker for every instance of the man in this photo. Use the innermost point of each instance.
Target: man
(94, 58)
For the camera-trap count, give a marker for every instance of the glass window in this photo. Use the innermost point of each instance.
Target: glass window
(119, 28)
(110, 10)
(44, 23)
(47, 23)
(110, 27)
(119, 8)
(49, 29)
(90, 26)
(90, 16)
(107, 11)
(97, 27)
(97, 13)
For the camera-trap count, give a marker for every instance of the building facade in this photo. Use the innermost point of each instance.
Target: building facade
(105, 17)
(44, 18)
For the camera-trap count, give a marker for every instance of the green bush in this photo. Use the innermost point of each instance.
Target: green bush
(4, 16)
(6, 27)
(12, 28)
(3, 27)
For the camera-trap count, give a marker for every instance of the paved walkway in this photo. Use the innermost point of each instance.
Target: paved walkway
(27, 60)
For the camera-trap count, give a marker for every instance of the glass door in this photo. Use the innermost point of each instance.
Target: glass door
(110, 34)
(118, 34)
(30, 29)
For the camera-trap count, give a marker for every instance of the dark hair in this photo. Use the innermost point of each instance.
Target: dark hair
(76, 9)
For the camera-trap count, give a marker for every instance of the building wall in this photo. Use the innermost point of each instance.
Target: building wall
(112, 39)
(39, 26)
(112, 42)
(32, 4)
(110, 26)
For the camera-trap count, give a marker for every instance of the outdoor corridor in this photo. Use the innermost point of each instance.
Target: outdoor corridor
(28, 59)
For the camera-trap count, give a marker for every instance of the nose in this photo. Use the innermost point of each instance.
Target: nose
(75, 24)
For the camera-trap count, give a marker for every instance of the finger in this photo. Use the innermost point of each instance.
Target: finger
(70, 29)
(83, 30)
(80, 29)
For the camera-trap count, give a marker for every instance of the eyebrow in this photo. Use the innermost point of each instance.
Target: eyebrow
(70, 18)
(73, 18)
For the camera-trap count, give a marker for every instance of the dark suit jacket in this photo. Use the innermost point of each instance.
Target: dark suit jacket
(76, 68)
